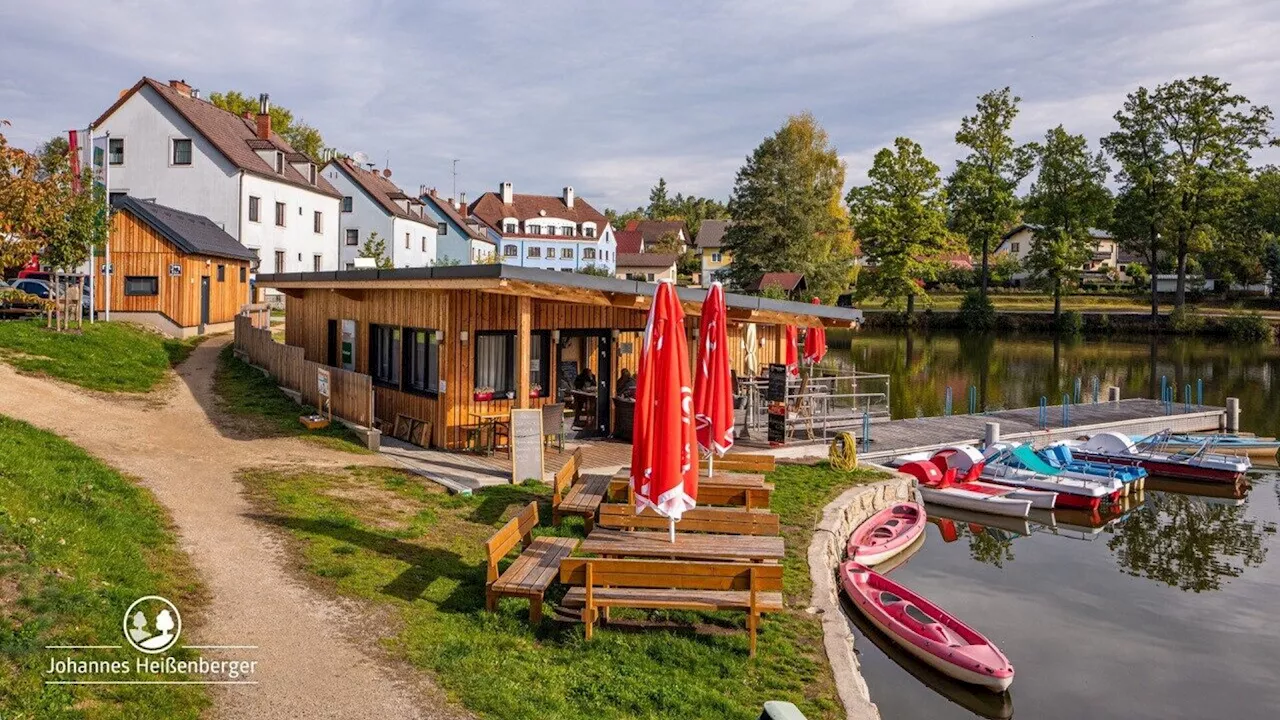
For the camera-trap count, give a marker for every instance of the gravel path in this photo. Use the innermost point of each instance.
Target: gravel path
(312, 661)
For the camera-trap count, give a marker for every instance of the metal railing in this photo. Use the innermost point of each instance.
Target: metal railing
(820, 404)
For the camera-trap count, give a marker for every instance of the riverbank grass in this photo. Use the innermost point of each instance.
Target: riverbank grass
(78, 544)
(110, 357)
(264, 409)
(399, 542)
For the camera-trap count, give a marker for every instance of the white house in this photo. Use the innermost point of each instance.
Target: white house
(545, 231)
(372, 203)
(169, 145)
(1107, 255)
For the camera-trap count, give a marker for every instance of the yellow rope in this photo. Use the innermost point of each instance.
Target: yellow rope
(844, 452)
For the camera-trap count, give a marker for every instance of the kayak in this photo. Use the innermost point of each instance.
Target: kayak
(1071, 492)
(1151, 454)
(926, 630)
(886, 533)
(935, 488)
(1264, 448)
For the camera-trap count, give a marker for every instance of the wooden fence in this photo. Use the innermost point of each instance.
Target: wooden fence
(259, 313)
(350, 393)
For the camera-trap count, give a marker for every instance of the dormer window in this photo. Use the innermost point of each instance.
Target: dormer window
(589, 231)
(533, 229)
(567, 230)
(279, 163)
(311, 174)
(509, 227)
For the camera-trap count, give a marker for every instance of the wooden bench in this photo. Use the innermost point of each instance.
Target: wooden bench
(747, 462)
(720, 490)
(573, 494)
(533, 572)
(600, 584)
(726, 520)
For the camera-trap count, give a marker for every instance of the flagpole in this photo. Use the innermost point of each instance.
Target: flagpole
(93, 258)
(106, 186)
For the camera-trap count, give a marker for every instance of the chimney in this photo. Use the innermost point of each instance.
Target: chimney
(507, 198)
(453, 203)
(568, 196)
(195, 93)
(462, 199)
(181, 86)
(264, 117)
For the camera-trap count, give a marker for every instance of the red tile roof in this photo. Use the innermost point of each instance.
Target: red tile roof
(490, 208)
(785, 280)
(629, 241)
(381, 189)
(646, 260)
(234, 136)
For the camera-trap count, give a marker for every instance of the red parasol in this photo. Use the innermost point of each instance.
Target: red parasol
(815, 341)
(713, 391)
(664, 468)
(793, 363)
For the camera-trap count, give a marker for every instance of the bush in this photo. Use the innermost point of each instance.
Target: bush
(1250, 327)
(1099, 323)
(977, 312)
(1185, 322)
(1069, 323)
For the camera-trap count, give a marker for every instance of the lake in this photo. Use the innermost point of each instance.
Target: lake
(1161, 609)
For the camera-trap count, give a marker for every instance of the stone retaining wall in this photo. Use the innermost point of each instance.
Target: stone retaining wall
(826, 552)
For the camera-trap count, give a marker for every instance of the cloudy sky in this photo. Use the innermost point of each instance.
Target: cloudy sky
(608, 96)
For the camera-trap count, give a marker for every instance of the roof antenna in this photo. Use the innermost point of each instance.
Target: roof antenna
(455, 177)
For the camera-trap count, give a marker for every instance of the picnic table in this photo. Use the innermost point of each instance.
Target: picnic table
(722, 477)
(606, 542)
(740, 490)
(490, 420)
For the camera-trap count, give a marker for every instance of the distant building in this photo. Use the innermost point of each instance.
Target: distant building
(793, 284)
(647, 266)
(1106, 254)
(462, 238)
(371, 203)
(715, 260)
(652, 231)
(546, 231)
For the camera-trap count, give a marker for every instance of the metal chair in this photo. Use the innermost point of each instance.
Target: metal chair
(553, 425)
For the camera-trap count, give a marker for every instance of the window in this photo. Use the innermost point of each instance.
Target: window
(589, 231)
(442, 229)
(495, 361)
(534, 252)
(254, 212)
(567, 230)
(279, 261)
(279, 163)
(115, 151)
(181, 151)
(533, 229)
(222, 273)
(509, 227)
(384, 354)
(509, 250)
(406, 241)
(566, 253)
(424, 243)
(353, 236)
(588, 253)
(317, 221)
(346, 204)
(136, 285)
(315, 262)
(421, 360)
(1014, 247)
(243, 273)
(311, 173)
(649, 277)
(280, 214)
(715, 257)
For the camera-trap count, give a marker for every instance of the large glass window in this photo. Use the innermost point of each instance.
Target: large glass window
(496, 366)
(421, 360)
(139, 285)
(384, 354)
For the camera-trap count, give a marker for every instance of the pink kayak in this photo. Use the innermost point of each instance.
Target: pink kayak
(886, 533)
(926, 630)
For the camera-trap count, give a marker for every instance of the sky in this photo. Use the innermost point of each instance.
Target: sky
(609, 96)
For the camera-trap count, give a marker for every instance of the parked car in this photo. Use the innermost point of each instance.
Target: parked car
(10, 304)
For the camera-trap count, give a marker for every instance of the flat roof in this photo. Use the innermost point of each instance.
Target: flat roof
(560, 287)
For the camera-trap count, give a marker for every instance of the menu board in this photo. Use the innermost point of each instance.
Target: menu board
(777, 433)
(777, 391)
(526, 445)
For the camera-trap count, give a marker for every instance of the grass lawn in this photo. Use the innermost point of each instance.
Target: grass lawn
(78, 544)
(395, 540)
(112, 357)
(254, 398)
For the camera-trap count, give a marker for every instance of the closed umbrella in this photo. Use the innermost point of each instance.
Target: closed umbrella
(815, 341)
(792, 355)
(753, 344)
(664, 467)
(713, 387)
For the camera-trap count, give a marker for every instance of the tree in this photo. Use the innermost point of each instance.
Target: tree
(668, 242)
(620, 220)
(982, 191)
(788, 212)
(301, 136)
(53, 155)
(900, 218)
(376, 248)
(659, 206)
(1067, 200)
(25, 204)
(1209, 132)
(1145, 200)
(693, 210)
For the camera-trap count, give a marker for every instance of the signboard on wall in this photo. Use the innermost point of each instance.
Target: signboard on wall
(322, 383)
(349, 345)
(175, 269)
(526, 445)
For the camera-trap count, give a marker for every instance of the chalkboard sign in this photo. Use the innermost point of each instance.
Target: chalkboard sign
(526, 445)
(777, 433)
(568, 373)
(777, 391)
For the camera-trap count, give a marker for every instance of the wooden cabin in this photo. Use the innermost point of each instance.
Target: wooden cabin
(173, 270)
(443, 344)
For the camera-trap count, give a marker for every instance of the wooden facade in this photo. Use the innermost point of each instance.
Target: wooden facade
(139, 251)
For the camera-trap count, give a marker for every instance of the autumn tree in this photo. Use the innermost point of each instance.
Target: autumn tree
(900, 218)
(301, 136)
(1067, 200)
(788, 212)
(376, 248)
(982, 191)
(25, 204)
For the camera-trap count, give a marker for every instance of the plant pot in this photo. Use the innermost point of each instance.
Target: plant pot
(483, 397)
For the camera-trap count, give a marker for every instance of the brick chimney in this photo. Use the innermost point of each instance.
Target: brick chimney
(462, 200)
(507, 195)
(181, 86)
(568, 196)
(264, 117)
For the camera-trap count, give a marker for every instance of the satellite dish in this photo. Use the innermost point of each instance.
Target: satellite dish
(386, 172)
(359, 158)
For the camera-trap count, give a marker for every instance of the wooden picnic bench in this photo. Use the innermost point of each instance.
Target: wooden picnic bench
(720, 490)
(533, 572)
(600, 584)
(726, 520)
(749, 462)
(575, 494)
(607, 542)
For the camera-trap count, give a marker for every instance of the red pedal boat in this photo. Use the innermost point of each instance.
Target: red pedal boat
(887, 533)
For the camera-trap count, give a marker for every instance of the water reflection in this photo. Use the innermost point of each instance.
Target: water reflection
(990, 538)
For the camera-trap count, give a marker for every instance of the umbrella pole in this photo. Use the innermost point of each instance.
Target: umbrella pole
(711, 463)
(671, 525)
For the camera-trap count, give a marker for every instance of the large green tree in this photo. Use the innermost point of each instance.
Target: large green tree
(303, 137)
(982, 191)
(1067, 200)
(788, 212)
(659, 203)
(900, 218)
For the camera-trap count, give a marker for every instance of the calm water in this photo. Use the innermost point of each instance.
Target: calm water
(1164, 609)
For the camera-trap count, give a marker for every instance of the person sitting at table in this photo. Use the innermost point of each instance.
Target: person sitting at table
(585, 380)
(626, 384)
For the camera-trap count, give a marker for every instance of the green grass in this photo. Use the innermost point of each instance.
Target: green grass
(394, 540)
(255, 399)
(111, 357)
(78, 544)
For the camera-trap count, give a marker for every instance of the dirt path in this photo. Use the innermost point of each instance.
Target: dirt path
(309, 665)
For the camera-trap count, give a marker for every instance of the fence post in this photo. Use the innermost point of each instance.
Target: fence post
(1095, 385)
(1066, 411)
(1044, 413)
(1233, 415)
(973, 399)
(992, 435)
(1186, 398)
(1200, 392)
(866, 431)
(1076, 395)
(946, 402)
(1164, 386)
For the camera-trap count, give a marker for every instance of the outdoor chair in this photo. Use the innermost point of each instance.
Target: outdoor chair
(553, 425)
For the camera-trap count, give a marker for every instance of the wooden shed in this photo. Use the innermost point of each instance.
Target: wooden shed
(173, 270)
(443, 344)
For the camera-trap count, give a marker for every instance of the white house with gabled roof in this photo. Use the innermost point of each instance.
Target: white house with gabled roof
(546, 231)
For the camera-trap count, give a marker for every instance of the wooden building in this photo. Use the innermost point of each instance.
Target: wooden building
(173, 270)
(443, 344)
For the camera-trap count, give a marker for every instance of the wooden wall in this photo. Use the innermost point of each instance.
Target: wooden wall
(455, 311)
(136, 249)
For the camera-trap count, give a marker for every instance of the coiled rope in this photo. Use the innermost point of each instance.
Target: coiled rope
(844, 452)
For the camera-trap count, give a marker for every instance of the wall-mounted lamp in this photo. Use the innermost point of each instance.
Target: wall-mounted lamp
(462, 336)
(614, 333)
(555, 336)
(439, 334)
